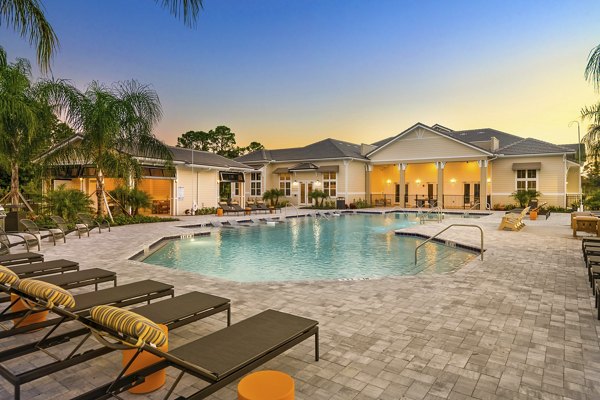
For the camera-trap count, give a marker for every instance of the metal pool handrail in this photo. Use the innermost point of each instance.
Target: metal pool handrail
(425, 216)
(444, 230)
(295, 208)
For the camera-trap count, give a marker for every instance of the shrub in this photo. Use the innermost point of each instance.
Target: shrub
(134, 198)
(67, 202)
(273, 196)
(524, 196)
(138, 219)
(592, 201)
(206, 211)
(360, 203)
(316, 195)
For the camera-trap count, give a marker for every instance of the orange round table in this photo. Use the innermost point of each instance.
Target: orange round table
(266, 385)
(157, 379)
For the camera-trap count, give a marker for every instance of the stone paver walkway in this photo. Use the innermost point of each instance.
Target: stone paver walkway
(520, 324)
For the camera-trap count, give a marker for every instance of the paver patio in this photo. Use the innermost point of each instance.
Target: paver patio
(520, 324)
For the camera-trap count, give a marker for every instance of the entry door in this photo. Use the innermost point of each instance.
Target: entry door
(430, 191)
(476, 192)
(467, 194)
(306, 188)
(397, 194)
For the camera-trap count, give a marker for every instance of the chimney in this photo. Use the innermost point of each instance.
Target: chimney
(494, 144)
(366, 149)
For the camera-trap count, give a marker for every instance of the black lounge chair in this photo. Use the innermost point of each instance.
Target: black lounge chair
(32, 228)
(64, 227)
(173, 313)
(227, 208)
(120, 296)
(218, 359)
(20, 258)
(27, 240)
(76, 279)
(44, 268)
(236, 207)
(91, 223)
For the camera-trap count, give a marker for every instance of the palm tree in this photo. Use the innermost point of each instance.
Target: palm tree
(27, 18)
(592, 138)
(25, 119)
(592, 70)
(116, 124)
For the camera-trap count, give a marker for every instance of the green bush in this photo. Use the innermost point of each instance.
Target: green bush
(317, 195)
(134, 198)
(524, 196)
(273, 196)
(138, 219)
(206, 211)
(592, 202)
(67, 202)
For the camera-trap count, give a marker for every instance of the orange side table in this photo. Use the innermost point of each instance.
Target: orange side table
(157, 379)
(32, 319)
(266, 385)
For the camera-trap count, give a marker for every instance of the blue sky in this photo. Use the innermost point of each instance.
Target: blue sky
(287, 73)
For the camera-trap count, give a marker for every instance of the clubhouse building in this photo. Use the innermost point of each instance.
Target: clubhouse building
(423, 166)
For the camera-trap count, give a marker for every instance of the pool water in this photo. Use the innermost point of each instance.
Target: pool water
(345, 247)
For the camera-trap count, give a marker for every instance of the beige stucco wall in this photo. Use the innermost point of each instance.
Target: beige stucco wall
(573, 180)
(424, 145)
(551, 179)
(200, 185)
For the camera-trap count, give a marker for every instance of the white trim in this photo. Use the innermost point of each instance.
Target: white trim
(531, 155)
(425, 160)
(543, 194)
(317, 159)
(420, 125)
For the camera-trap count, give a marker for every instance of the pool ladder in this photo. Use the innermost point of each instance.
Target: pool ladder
(291, 205)
(427, 216)
(476, 206)
(450, 243)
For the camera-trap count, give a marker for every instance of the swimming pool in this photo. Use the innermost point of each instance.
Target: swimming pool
(347, 247)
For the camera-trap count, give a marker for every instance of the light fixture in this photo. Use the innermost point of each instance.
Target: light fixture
(389, 181)
(418, 181)
(453, 180)
(489, 180)
(295, 183)
(317, 183)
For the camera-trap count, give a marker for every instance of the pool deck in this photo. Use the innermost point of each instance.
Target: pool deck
(520, 324)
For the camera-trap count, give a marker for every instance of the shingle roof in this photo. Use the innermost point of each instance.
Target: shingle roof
(324, 149)
(204, 158)
(532, 146)
(485, 134)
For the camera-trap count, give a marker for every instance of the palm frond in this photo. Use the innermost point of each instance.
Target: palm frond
(27, 18)
(186, 10)
(592, 69)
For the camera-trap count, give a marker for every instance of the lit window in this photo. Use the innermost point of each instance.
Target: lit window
(330, 183)
(255, 184)
(526, 179)
(285, 184)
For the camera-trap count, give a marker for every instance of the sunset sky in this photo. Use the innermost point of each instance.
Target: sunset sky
(288, 73)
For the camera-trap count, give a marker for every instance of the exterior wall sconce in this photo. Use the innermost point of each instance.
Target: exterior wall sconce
(389, 181)
(317, 183)
(453, 180)
(489, 180)
(418, 181)
(295, 183)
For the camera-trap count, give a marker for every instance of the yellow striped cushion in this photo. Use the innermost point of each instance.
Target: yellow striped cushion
(8, 277)
(48, 292)
(130, 324)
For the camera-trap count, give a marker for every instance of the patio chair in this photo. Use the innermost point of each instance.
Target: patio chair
(227, 208)
(174, 313)
(27, 240)
(32, 270)
(236, 207)
(19, 258)
(32, 228)
(91, 223)
(587, 224)
(218, 358)
(64, 227)
(513, 221)
(261, 206)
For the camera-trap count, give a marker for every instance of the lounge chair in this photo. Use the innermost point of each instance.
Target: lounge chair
(91, 223)
(76, 279)
(122, 296)
(27, 240)
(173, 313)
(32, 228)
(236, 207)
(7, 258)
(227, 208)
(44, 268)
(261, 206)
(64, 227)
(513, 221)
(218, 358)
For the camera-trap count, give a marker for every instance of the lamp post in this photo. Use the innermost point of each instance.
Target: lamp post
(580, 208)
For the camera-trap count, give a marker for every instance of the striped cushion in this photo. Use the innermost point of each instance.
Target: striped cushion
(8, 277)
(48, 292)
(130, 324)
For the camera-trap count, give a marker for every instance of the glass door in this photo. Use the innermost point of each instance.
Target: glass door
(306, 189)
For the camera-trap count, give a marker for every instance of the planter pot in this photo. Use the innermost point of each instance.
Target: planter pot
(219, 212)
(533, 215)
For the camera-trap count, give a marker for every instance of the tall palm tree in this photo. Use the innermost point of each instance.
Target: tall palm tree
(25, 119)
(592, 69)
(27, 18)
(116, 124)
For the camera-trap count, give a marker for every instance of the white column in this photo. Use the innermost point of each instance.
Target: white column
(346, 163)
(402, 183)
(482, 183)
(440, 182)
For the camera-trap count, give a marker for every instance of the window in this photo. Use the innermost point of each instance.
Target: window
(235, 188)
(526, 179)
(285, 184)
(255, 184)
(330, 183)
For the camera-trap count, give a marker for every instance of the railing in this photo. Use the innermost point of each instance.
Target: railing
(476, 206)
(426, 216)
(444, 230)
(291, 205)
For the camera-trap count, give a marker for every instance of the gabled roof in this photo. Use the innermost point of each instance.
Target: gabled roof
(533, 146)
(324, 149)
(382, 143)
